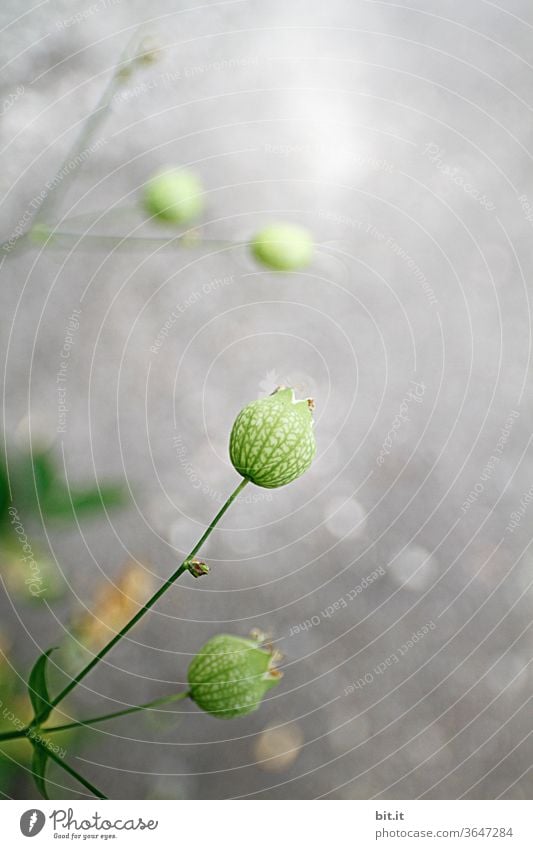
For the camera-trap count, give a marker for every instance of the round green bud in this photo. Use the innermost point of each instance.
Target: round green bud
(174, 195)
(283, 247)
(230, 675)
(272, 441)
(39, 233)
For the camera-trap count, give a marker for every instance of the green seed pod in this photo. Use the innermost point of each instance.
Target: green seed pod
(283, 247)
(230, 676)
(174, 195)
(272, 441)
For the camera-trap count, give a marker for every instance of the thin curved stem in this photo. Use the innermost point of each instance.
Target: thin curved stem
(145, 608)
(61, 180)
(95, 118)
(63, 238)
(83, 723)
(116, 212)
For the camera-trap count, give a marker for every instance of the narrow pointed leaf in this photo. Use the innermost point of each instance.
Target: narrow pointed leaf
(41, 755)
(38, 687)
(44, 472)
(64, 504)
(38, 765)
(4, 490)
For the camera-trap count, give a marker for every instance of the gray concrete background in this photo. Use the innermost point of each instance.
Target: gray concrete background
(400, 135)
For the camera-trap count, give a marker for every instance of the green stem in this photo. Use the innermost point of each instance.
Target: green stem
(117, 213)
(98, 114)
(63, 238)
(75, 774)
(145, 608)
(13, 735)
(119, 76)
(83, 723)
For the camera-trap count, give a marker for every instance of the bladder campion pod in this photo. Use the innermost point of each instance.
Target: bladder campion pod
(230, 675)
(283, 247)
(174, 195)
(272, 441)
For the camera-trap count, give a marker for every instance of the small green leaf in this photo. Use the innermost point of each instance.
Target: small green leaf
(4, 490)
(62, 504)
(32, 476)
(37, 485)
(38, 766)
(44, 471)
(89, 500)
(38, 688)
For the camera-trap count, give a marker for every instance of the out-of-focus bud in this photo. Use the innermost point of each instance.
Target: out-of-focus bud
(148, 51)
(283, 247)
(115, 603)
(230, 675)
(277, 747)
(272, 441)
(174, 195)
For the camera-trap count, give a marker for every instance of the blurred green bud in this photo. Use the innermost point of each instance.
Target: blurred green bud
(123, 74)
(148, 51)
(174, 195)
(39, 233)
(283, 247)
(230, 675)
(272, 441)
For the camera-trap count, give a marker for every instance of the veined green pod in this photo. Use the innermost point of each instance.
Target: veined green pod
(230, 675)
(272, 441)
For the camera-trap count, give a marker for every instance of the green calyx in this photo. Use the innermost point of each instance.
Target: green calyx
(230, 676)
(174, 195)
(197, 568)
(272, 441)
(283, 247)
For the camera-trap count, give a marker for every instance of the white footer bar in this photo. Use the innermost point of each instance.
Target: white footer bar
(267, 824)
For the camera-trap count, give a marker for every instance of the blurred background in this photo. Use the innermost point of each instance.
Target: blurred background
(395, 576)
